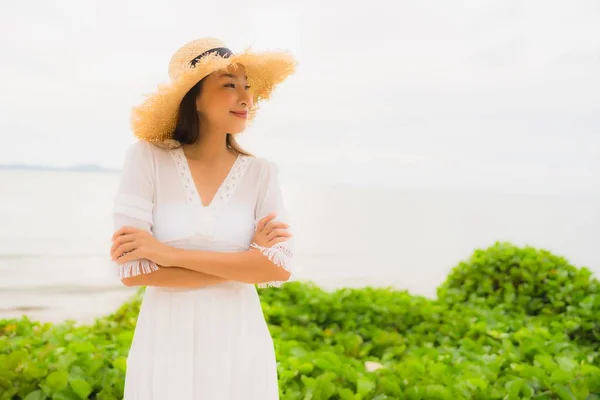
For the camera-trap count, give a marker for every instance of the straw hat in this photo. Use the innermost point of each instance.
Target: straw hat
(155, 119)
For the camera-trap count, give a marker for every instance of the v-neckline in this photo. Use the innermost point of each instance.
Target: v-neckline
(193, 192)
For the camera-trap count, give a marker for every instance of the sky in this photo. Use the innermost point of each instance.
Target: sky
(385, 91)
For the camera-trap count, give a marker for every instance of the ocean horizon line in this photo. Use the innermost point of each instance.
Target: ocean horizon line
(74, 168)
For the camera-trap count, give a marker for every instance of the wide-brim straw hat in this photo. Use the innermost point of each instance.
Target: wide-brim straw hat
(155, 119)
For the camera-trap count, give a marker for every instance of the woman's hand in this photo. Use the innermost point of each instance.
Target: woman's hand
(131, 243)
(268, 234)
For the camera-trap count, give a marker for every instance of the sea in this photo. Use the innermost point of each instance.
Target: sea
(55, 229)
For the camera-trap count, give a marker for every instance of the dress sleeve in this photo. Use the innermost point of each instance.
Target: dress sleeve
(134, 203)
(270, 200)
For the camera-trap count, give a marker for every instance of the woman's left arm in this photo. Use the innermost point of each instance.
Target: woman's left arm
(249, 266)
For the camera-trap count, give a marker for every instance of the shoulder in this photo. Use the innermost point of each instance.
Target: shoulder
(146, 152)
(264, 171)
(139, 149)
(141, 155)
(265, 165)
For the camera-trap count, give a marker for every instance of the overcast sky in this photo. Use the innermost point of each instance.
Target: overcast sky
(421, 90)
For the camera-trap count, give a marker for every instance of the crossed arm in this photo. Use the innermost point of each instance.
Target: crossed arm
(167, 266)
(204, 268)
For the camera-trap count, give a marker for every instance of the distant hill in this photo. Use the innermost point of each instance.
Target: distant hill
(73, 168)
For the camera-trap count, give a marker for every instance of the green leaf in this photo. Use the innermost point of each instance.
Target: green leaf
(477, 383)
(391, 386)
(564, 393)
(324, 364)
(364, 386)
(82, 347)
(120, 363)
(567, 364)
(561, 376)
(546, 361)
(346, 394)
(65, 394)
(81, 388)
(36, 395)
(57, 380)
(514, 387)
(306, 368)
(437, 392)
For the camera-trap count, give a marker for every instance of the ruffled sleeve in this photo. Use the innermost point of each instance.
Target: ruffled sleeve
(134, 203)
(270, 200)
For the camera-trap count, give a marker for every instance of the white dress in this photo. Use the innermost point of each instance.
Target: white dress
(209, 343)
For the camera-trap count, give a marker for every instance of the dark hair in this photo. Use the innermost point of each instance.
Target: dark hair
(187, 130)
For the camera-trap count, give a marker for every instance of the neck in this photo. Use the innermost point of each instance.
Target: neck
(211, 146)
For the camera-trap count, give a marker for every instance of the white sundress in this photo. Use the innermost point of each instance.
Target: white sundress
(209, 343)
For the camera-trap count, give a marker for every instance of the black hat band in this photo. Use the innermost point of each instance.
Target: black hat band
(222, 51)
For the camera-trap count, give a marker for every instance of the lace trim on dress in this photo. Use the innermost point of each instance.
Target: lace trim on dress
(229, 184)
(186, 177)
(280, 255)
(136, 267)
(224, 191)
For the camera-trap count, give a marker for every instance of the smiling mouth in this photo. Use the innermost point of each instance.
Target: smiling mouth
(240, 114)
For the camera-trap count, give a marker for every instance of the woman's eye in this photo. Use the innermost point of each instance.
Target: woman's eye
(232, 85)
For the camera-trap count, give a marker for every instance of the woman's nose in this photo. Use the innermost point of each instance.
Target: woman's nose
(245, 99)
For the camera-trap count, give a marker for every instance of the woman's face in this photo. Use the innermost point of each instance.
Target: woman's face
(225, 101)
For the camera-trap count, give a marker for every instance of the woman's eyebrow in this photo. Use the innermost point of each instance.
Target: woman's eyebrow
(231, 76)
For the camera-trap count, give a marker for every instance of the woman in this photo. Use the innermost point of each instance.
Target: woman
(199, 222)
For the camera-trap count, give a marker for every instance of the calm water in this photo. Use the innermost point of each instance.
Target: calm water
(55, 230)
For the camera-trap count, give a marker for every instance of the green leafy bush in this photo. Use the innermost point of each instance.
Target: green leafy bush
(531, 281)
(510, 323)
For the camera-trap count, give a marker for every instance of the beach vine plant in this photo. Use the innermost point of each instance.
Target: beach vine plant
(508, 323)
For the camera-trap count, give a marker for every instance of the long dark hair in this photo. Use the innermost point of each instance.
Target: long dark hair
(187, 130)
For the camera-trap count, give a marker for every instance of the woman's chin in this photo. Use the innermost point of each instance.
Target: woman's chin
(237, 128)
